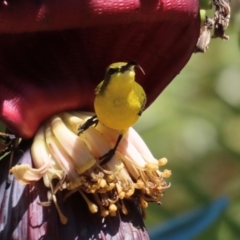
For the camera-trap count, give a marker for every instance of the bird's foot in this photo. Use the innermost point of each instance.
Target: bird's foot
(107, 156)
(90, 122)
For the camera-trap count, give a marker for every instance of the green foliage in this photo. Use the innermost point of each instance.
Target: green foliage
(2, 127)
(195, 123)
(204, 4)
(202, 15)
(239, 39)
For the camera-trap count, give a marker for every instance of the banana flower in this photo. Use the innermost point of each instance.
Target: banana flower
(52, 55)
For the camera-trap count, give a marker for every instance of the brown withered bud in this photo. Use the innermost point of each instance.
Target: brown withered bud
(205, 36)
(221, 18)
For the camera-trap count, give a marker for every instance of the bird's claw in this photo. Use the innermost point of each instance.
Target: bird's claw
(93, 121)
(107, 156)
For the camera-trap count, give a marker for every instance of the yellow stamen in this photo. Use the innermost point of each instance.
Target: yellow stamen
(167, 173)
(91, 206)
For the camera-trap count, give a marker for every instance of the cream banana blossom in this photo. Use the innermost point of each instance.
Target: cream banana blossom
(68, 162)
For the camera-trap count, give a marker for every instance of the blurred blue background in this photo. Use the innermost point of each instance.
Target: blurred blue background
(195, 124)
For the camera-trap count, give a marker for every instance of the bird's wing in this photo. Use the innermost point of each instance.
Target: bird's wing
(142, 97)
(98, 88)
(143, 103)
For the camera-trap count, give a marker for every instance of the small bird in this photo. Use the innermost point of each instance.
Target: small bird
(119, 102)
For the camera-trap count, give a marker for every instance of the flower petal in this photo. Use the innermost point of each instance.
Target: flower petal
(25, 174)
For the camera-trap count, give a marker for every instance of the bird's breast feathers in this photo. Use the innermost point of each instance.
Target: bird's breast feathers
(117, 111)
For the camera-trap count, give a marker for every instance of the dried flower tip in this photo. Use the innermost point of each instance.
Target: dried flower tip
(221, 18)
(205, 36)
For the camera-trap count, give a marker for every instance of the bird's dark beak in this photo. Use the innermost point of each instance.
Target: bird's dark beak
(132, 64)
(140, 68)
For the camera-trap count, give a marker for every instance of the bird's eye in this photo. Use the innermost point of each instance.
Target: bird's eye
(111, 71)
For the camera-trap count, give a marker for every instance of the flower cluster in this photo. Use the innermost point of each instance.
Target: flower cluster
(68, 162)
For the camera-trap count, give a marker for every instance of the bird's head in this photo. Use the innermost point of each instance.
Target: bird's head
(122, 67)
(122, 70)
